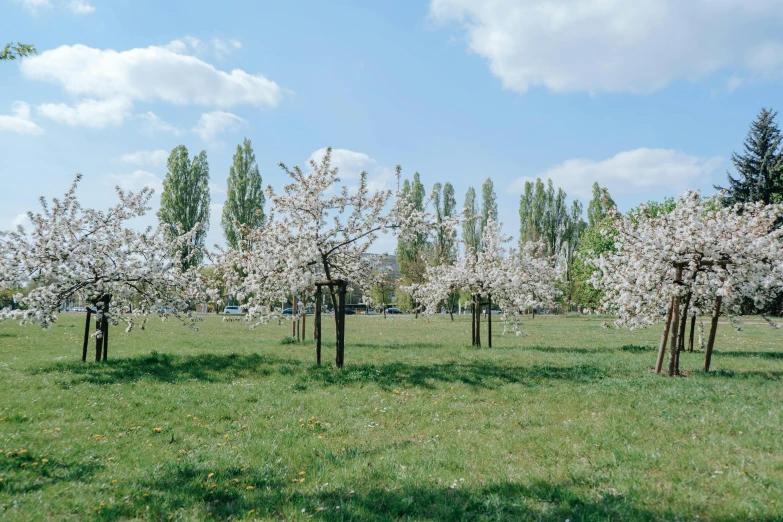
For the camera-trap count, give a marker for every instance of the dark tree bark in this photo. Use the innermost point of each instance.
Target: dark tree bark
(713, 331)
(664, 338)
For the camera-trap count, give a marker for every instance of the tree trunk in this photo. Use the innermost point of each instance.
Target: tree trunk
(675, 328)
(664, 337)
(693, 327)
(713, 331)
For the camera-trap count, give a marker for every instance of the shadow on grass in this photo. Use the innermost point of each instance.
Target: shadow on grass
(760, 355)
(270, 492)
(752, 374)
(174, 368)
(225, 368)
(24, 472)
(479, 374)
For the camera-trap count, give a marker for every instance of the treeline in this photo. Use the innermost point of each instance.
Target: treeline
(545, 214)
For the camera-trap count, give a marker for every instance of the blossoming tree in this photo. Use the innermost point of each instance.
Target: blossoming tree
(315, 237)
(516, 280)
(72, 250)
(697, 253)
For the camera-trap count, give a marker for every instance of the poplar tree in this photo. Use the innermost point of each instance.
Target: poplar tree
(598, 206)
(489, 205)
(471, 231)
(185, 199)
(244, 197)
(445, 206)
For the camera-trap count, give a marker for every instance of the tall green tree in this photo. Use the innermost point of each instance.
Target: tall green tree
(410, 252)
(489, 204)
(760, 166)
(445, 207)
(185, 199)
(599, 206)
(471, 228)
(244, 197)
(18, 50)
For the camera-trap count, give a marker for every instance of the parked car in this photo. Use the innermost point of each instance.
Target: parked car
(393, 311)
(231, 310)
(287, 311)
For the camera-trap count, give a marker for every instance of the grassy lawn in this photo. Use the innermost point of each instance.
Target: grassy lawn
(567, 423)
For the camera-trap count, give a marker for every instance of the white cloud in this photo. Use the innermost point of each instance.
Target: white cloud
(184, 45)
(34, 6)
(137, 180)
(214, 188)
(631, 172)
(146, 158)
(95, 114)
(149, 74)
(19, 120)
(224, 47)
(213, 123)
(154, 124)
(350, 165)
(21, 220)
(618, 45)
(80, 7)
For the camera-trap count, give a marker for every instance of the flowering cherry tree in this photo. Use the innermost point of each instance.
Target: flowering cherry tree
(698, 253)
(317, 231)
(72, 250)
(516, 280)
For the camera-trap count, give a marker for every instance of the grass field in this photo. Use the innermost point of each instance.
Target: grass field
(567, 423)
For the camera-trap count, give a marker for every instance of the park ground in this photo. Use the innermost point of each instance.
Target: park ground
(229, 423)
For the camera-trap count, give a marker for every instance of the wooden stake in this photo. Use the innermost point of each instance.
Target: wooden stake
(664, 337)
(304, 321)
(713, 331)
(489, 321)
(317, 325)
(683, 323)
(473, 322)
(340, 360)
(675, 324)
(86, 335)
(693, 327)
(478, 320)
(106, 300)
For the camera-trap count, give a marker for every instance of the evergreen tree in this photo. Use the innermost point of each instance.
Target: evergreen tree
(245, 196)
(471, 228)
(185, 198)
(760, 167)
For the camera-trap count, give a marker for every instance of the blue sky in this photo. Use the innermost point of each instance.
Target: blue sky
(647, 98)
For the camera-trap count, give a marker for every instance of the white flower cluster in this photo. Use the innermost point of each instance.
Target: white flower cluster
(515, 280)
(316, 230)
(75, 251)
(733, 252)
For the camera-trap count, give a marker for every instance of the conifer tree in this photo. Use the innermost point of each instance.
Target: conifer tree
(760, 166)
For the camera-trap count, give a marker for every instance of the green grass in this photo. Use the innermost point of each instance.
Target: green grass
(567, 423)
